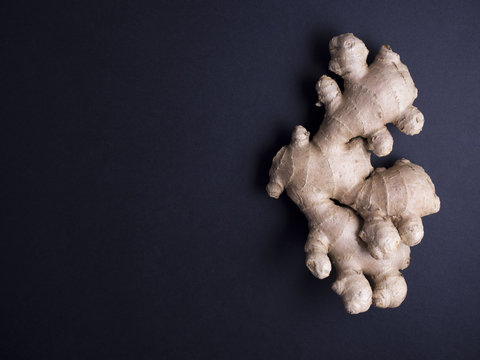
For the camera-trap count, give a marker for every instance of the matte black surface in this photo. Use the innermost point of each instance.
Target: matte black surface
(137, 138)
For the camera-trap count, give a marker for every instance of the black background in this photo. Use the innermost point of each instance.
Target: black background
(137, 138)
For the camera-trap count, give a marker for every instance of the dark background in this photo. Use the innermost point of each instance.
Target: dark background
(136, 142)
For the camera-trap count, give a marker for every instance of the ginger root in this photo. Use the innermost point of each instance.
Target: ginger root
(360, 219)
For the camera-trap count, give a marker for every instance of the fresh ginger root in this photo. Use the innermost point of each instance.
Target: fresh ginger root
(334, 167)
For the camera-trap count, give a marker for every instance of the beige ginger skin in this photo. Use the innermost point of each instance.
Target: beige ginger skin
(371, 234)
